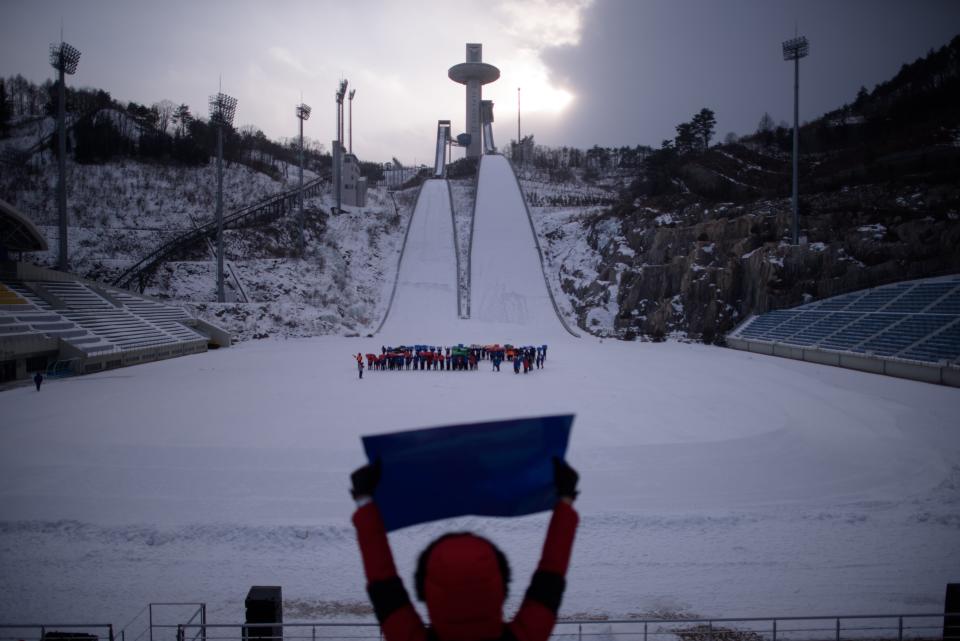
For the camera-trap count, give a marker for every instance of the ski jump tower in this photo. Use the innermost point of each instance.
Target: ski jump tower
(474, 73)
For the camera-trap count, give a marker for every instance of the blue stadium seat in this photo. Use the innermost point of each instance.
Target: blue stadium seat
(917, 320)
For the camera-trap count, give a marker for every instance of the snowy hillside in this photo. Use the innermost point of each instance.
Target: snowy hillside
(120, 211)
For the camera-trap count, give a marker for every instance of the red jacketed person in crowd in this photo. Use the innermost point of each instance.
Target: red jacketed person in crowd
(463, 578)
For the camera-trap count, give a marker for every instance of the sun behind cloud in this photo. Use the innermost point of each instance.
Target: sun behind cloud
(537, 93)
(536, 25)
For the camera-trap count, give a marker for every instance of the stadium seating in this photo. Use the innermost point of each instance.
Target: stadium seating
(913, 321)
(95, 321)
(9, 297)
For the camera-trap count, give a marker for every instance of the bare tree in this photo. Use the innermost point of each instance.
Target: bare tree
(765, 125)
(165, 110)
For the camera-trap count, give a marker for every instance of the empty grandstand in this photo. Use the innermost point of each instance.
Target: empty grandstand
(909, 329)
(54, 322)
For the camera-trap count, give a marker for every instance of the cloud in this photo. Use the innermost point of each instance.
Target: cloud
(544, 23)
(285, 57)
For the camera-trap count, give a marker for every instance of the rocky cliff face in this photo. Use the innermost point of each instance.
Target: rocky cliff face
(880, 202)
(702, 269)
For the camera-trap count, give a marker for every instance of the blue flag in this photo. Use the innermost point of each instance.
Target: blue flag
(501, 468)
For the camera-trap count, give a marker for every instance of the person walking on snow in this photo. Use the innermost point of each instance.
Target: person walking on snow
(462, 577)
(37, 379)
(360, 368)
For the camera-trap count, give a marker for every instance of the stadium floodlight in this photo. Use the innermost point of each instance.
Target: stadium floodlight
(338, 145)
(303, 113)
(794, 49)
(64, 58)
(341, 94)
(350, 126)
(518, 126)
(222, 110)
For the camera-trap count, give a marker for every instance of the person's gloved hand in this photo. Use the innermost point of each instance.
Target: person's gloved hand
(565, 479)
(364, 480)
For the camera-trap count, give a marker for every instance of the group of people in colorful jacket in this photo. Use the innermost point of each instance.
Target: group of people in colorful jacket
(456, 358)
(525, 358)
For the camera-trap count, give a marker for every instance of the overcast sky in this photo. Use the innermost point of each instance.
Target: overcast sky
(609, 72)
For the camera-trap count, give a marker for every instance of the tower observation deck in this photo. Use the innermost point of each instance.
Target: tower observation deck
(474, 73)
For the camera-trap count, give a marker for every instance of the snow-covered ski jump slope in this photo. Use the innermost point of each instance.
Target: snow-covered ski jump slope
(714, 482)
(424, 306)
(508, 291)
(510, 302)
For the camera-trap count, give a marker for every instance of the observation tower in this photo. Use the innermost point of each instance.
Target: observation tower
(474, 73)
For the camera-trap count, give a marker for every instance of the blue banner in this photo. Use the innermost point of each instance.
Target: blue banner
(500, 468)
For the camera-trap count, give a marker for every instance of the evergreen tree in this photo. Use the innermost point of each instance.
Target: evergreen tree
(687, 139)
(765, 129)
(182, 118)
(862, 96)
(703, 124)
(4, 109)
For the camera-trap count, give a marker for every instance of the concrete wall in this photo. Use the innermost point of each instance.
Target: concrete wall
(21, 348)
(218, 336)
(927, 373)
(112, 360)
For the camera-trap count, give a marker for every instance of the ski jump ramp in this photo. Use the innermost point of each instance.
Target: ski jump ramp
(509, 297)
(424, 306)
(508, 287)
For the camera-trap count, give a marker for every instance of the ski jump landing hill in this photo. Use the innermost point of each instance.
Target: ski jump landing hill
(509, 297)
(424, 304)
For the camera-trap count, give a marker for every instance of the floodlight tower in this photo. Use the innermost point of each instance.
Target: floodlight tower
(303, 113)
(474, 73)
(518, 126)
(350, 126)
(222, 110)
(338, 144)
(64, 59)
(794, 49)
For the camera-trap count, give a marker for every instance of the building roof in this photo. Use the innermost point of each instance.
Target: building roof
(17, 233)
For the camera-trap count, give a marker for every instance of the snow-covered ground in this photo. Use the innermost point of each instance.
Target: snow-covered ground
(714, 482)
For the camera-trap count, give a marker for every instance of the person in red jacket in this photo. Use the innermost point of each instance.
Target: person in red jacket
(463, 578)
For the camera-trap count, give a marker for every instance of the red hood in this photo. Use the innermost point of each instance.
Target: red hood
(464, 589)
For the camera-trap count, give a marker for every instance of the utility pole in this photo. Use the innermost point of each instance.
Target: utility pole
(64, 59)
(794, 49)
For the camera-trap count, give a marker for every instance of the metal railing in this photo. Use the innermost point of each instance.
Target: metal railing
(793, 628)
(57, 631)
(456, 249)
(788, 628)
(851, 627)
(274, 204)
(147, 625)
